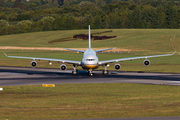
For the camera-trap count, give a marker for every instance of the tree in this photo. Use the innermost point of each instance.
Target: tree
(171, 17)
(17, 5)
(3, 23)
(60, 2)
(3, 16)
(36, 26)
(137, 18)
(100, 3)
(86, 5)
(33, 6)
(47, 23)
(66, 3)
(60, 23)
(106, 21)
(43, 2)
(24, 16)
(2, 3)
(96, 23)
(24, 26)
(87, 21)
(111, 21)
(71, 23)
(161, 17)
(8, 3)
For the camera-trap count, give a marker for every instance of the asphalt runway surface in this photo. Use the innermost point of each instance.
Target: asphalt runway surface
(14, 76)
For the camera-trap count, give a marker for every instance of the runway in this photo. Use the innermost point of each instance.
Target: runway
(13, 76)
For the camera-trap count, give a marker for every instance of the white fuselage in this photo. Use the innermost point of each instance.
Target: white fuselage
(90, 59)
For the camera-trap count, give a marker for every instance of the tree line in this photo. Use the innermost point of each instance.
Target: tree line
(34, 16)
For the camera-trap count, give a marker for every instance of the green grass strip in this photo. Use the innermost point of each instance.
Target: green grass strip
(105, 100)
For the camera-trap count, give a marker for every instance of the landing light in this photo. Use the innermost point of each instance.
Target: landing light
(50, 63)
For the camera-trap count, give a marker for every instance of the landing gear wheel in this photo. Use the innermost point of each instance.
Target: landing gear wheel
(75, 72)
(90, 73)
(105, 72)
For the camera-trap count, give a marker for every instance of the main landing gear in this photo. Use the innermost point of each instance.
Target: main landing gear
(75, 71)
(105, 71)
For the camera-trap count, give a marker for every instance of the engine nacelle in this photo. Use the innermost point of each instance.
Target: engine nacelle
(63, 67)
(117, 67)
(33, 64)
(146, 63)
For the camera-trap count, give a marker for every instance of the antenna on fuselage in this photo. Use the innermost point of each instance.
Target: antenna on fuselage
(89, 37)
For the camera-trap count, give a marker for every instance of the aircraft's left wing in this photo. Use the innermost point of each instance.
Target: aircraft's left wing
(132, 58)
(48, 59)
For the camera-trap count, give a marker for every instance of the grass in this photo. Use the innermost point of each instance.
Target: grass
(154, 40)
(103, 100)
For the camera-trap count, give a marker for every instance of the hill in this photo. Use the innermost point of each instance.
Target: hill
(155, 40)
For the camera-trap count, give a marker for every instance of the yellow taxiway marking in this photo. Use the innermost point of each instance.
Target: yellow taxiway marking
(48, 85)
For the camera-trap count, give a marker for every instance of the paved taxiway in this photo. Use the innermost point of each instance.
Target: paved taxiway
(10, 76)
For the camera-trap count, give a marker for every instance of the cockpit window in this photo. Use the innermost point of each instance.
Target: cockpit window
(90, 59)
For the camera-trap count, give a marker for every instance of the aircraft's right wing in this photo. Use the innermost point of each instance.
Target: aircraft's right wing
(132, 58)
(48, 59)
(74, 50)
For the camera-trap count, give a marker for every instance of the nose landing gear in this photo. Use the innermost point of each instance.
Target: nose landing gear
(90, 72)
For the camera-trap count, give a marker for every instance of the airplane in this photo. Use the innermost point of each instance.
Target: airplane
(90, 60)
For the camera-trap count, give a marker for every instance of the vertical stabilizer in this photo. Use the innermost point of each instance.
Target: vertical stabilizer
(89, 37)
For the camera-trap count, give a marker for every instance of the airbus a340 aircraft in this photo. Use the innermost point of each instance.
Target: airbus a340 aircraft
(90, 60)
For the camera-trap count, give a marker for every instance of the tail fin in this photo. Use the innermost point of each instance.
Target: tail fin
(89, 37)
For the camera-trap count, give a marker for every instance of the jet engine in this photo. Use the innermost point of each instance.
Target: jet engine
(33, 64)
(63, 67)
(117, 67)
(146, 63)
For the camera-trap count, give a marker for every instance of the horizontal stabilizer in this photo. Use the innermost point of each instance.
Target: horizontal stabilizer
(74, 50)
(104, 49)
